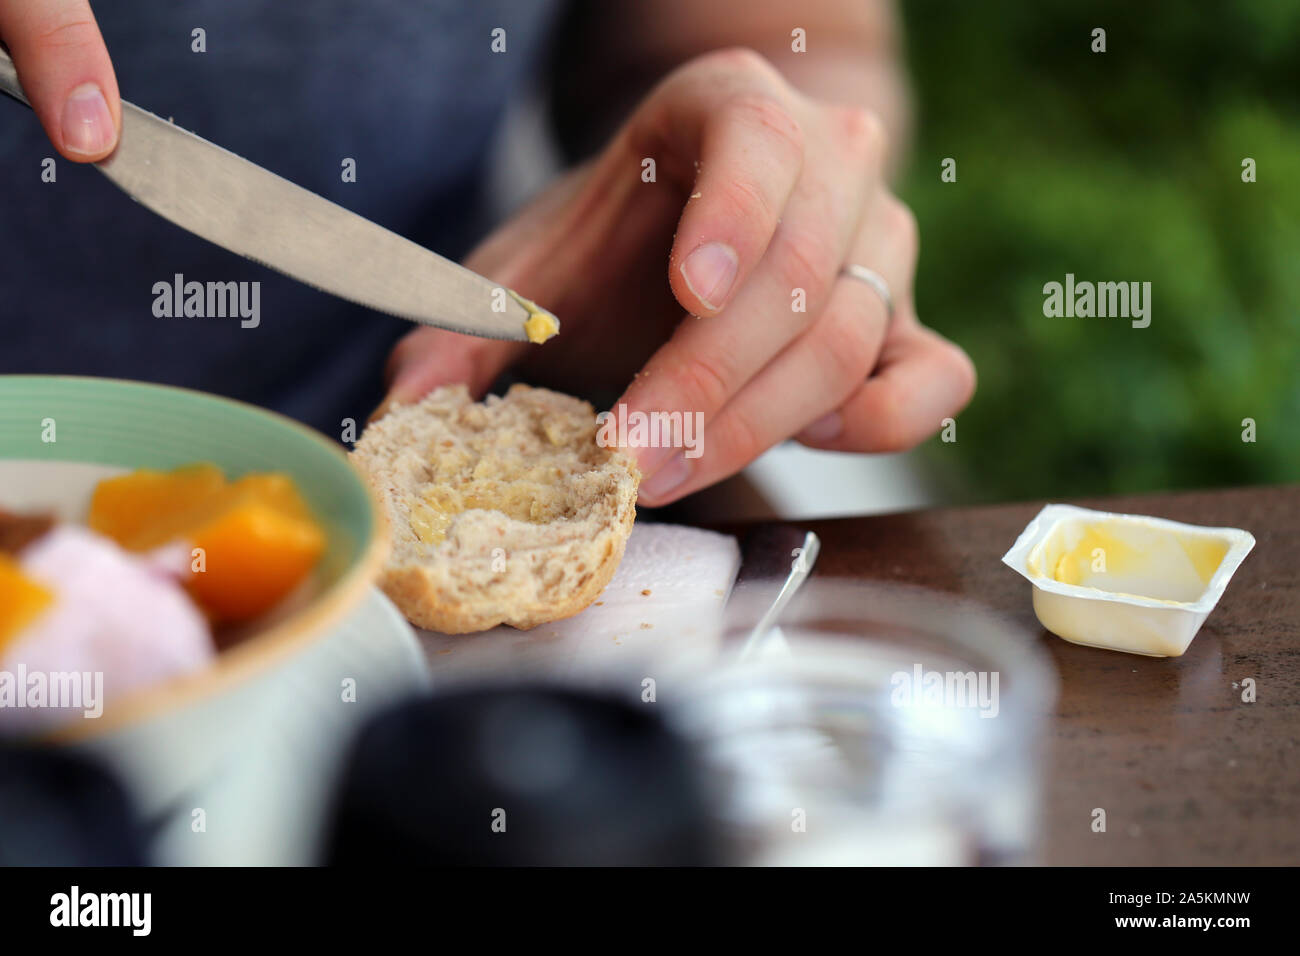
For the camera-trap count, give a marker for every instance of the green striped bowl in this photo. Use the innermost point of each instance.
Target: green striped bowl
(58, 434)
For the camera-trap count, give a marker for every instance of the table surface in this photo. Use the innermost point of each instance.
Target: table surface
(1187, 772)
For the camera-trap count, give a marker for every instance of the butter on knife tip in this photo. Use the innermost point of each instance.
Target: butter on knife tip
(540, 324)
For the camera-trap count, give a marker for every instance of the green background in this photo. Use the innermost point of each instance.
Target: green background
(1116, 166)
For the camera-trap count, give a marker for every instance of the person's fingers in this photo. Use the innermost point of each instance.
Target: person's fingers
(707, 362)
(815, 374)
(66, 73)
(923, 379)
(725, 128)
(733, 118)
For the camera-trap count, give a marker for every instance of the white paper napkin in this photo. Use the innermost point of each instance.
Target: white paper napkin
(666, 599)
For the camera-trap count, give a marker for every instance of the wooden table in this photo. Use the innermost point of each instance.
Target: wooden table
(1188, 774)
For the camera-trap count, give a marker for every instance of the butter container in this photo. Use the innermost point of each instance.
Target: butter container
(1125, 582)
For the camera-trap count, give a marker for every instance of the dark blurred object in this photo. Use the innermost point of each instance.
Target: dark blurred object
(59, 808)
(520, 776)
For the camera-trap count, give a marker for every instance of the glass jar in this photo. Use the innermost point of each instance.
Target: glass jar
(877, 725)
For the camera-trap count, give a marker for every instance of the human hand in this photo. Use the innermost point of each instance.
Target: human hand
(770, 192)
(66, 73)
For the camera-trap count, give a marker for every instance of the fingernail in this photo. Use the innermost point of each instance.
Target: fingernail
(825, 429)
(650, 459)
(663, 481)
(709, 271)
(87, 123)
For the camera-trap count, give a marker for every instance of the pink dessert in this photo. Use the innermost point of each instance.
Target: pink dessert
(121, 616)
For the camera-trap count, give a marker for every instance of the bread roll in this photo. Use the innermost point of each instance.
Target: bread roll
(501, 512)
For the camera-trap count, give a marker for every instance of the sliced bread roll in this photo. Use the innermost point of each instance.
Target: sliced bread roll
(501, 512)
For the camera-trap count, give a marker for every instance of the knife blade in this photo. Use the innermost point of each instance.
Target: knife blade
(248, 210)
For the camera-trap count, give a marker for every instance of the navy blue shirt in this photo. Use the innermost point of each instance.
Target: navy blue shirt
(410, 89)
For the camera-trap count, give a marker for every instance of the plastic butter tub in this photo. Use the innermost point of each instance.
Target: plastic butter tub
(1125, 582)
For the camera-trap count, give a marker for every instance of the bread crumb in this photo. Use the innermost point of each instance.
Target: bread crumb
(696, 195)
(646, 625)
(444, 650)
(599, 603)
(645, 592)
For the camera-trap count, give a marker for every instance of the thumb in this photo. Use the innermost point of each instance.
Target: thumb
(428, 358)
(66, 73)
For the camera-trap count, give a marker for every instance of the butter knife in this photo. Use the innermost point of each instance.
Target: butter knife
(248, 210)
(776, 560)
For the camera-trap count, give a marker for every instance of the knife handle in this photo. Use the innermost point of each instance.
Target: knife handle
(9, 78)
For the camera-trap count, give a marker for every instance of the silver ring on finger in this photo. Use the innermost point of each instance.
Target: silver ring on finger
(876, 281)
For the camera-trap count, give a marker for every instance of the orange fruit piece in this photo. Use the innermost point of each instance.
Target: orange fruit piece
(259, 539)
(22, 600)
(251, 557)
(147, 509)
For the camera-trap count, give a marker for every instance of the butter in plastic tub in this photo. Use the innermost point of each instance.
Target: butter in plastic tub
(1125, 582)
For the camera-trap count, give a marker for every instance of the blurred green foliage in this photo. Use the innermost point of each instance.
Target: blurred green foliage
(1116, 166)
